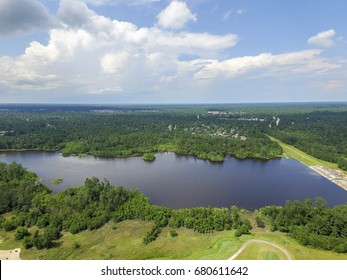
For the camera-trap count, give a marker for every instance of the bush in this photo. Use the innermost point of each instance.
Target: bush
(242, 230)
(20, 233)
(28, 242)
(259, 221)
(9, 225)
(38, 240)
(149, 157)
(152, 235)
(173, 233)
(75, 245)
(342, 248)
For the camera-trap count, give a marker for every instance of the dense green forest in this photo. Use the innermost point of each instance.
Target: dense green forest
(320, 134)
(89, 207)
(206, 131)
(121, 133)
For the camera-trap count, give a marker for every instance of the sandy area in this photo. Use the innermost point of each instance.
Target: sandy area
(10, 254)
(336, 176)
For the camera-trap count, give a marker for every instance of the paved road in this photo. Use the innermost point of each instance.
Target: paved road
(244, 246)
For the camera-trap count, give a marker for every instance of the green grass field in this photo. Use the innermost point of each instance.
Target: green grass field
(125, 242)
(294, 153)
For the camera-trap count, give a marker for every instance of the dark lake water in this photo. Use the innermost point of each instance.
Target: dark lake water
(181, 181)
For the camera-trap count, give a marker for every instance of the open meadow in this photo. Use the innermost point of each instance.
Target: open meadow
(125, 242)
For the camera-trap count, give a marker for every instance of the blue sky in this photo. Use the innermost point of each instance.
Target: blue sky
(161, 51)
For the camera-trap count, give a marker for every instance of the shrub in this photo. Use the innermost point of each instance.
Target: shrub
(173, 233)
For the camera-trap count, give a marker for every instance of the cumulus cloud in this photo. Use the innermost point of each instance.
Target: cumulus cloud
(74, 13)
(323, 39)
(295, 62)
(175, 16)
(21, 16)
(113, 62)
(95, 55)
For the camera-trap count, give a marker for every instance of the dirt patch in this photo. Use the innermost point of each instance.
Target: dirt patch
(10, 254)
(334, 175)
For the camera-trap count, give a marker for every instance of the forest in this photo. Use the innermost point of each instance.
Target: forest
(320, 134)
(123, 133)
(206, 131)
(30, 204)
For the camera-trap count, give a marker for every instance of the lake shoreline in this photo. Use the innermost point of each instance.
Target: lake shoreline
(326, 169)
(139, 155)
(181, 181)
(335, 176)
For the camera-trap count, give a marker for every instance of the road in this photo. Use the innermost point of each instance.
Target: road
(244, 246)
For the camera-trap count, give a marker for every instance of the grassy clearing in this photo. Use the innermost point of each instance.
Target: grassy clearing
(125, 242)
(296, 250)
(294, 153)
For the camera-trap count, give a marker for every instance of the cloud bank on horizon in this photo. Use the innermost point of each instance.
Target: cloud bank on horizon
(156, 51)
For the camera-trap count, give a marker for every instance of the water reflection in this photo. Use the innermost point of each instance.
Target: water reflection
(182, 181)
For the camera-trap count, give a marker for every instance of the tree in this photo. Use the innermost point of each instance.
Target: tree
(28, 242)
(9, 225)
(243, 229)
(235, 216)
(20, 233)
(259, 222)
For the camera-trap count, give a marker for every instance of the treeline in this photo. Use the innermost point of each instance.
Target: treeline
(121, 134)
(320, 134)
(312, 223)
(89, 207)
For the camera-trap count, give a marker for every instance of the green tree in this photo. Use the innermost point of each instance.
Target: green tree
(20, 233)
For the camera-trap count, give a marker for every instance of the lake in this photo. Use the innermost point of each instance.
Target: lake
(185, 181)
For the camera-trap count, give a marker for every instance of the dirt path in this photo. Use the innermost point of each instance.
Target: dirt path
(10, 254)
(244, 246)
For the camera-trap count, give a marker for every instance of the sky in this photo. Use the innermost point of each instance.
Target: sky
(161, 51)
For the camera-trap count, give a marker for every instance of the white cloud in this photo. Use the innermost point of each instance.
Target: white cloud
(228, 14)
(92, 55)
(102, 91)
(175, 16)
(113, 62)
(191, 43)
(295, 62)
(323, 39)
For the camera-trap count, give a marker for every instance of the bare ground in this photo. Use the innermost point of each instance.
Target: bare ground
(336, 176)
(10, 254)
